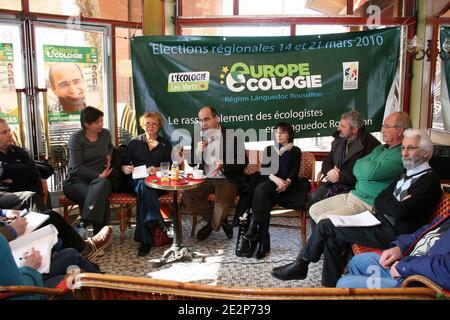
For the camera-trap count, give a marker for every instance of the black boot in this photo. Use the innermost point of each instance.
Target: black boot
(264, 240)
(263, 247)
(297, 270)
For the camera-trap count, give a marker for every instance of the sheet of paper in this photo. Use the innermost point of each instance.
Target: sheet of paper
(140, 172)
(187, 167)
(42, 240)
(364, 219)
(34, 220)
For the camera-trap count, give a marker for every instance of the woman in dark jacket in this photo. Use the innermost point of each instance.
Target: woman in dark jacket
(279, 184)
(149, 149)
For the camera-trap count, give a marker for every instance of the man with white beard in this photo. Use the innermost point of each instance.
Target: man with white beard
(404, 206)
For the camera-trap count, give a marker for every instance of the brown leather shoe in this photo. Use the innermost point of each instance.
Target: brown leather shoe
(99, 242)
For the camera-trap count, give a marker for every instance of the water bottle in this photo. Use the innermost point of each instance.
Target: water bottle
(82, 231)
(175, 172)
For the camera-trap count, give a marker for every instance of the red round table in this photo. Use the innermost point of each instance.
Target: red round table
(176, 252)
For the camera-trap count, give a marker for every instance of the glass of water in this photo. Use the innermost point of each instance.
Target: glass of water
(164, 167)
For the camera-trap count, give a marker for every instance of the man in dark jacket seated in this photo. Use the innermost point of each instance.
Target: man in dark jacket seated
(351, 143)
(425, 252)
(20, 186)
(401, 208)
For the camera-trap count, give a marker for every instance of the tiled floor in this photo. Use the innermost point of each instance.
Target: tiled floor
(220, 267)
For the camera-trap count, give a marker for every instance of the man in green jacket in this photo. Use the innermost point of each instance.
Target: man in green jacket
(373, 173)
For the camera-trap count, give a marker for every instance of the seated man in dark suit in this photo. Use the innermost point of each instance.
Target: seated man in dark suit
(404, 206)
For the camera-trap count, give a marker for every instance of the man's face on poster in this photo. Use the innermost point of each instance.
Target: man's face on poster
(69, 86)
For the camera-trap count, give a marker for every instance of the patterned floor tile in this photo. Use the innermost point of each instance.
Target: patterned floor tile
(220, 267)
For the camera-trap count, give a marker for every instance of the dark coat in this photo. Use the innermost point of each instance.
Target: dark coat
(17, 165)
(361, 147)
(294, 197)
(414, 212)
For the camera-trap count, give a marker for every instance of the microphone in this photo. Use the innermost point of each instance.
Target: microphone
(202, 135)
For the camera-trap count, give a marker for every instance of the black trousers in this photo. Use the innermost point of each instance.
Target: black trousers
(92, 196)
(69, 237)
(264, 199)
(333, 242)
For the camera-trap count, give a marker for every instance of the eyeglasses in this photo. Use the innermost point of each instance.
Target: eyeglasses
(389, 127)
(151, 124)
(66, 84)
(409, 148)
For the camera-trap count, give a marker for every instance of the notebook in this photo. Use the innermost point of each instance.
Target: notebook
(34, 220)
(42, 240)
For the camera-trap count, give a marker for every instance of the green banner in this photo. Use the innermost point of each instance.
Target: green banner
(254, 83)
(70, 54)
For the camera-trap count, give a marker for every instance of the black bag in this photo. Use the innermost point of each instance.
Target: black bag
(244, 247)
(45, 169)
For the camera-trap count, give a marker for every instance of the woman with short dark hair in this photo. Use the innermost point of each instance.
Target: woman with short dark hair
(279, 184)
(87, 183)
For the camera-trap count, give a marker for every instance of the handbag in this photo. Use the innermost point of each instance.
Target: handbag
(159, 237)
(244, 247)
(45, 169)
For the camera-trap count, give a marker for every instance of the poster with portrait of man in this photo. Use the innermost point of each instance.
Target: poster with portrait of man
(73, 81)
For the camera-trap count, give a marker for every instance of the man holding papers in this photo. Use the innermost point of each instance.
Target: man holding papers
(404, 206)
(25, 273)
(12, 226)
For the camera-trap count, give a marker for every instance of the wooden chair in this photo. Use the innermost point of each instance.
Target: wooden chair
(92, 286)
(441, 293)
(45, 193)
(55, 293)
(125, 203)
(254, 165)
(95, 286)
(307, 170)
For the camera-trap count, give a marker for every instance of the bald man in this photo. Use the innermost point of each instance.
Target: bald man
(67, 83)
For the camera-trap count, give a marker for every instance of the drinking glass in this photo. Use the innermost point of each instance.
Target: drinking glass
(164, 167)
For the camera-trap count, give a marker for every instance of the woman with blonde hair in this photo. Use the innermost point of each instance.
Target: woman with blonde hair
(149, 149)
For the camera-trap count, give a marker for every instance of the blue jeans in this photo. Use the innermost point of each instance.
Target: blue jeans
(147, 210)
(365, 271)
(65, 258)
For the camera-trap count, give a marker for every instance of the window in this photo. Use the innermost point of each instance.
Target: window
(118, 10)
(126, 123)
(11, 5)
